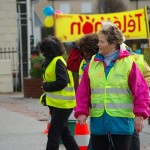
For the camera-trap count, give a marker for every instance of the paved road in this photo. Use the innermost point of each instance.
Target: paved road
(22, 121)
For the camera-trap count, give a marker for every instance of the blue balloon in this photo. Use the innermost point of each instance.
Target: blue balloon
(48, 11)
(138, 51)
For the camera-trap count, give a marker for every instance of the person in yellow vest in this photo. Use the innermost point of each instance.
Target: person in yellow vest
(88, 46)
(80, 54)
(59, 94)
(113, 92)
(145, 69)
(90, 49)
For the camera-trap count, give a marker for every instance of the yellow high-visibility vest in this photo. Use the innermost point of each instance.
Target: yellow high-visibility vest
(81, 70)
(64, 98)
(112, 94)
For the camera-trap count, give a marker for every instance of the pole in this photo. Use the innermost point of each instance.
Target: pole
(53, 6)
(28, 36)
(137, 4)
(147, 28)
(33, 23)
(20, 46)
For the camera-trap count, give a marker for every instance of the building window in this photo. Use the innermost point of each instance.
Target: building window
(65, 8)
(86, 7)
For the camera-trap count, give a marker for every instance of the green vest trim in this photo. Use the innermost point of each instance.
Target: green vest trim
(139, 60)
(80, 69)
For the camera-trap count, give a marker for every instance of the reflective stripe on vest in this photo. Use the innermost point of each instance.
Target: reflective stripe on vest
(110, 90)
(64, 98)
(69, 89)
(51, 95)
(112, 105)
(111, 94)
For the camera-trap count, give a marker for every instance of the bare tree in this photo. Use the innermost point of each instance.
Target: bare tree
(110, 6)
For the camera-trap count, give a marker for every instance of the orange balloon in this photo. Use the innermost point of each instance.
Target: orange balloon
(49, 21)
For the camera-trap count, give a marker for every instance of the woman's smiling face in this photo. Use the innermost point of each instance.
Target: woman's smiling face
(105, 48)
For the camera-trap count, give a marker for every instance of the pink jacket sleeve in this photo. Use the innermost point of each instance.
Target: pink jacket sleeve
(140, 90)
(83, 95)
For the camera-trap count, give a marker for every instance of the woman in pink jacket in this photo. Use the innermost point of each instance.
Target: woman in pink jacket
(113, 92)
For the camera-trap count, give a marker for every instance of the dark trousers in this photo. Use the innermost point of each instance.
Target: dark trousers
(135, 141)
(59, 130)
(113, 142)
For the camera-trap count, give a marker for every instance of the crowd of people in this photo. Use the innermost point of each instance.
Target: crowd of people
(112, 90)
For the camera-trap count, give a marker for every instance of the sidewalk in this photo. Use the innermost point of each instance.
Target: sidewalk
(24, 119)
(22, 122)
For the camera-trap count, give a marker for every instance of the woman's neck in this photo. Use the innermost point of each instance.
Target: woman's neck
(108, 58)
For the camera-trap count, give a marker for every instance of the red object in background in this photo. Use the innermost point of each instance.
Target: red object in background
(48, 124)
(74, 60)
(88, 28)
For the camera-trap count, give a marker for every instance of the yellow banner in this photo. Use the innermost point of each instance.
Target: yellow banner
(70, 27)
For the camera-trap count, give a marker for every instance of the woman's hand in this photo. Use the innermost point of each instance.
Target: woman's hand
(139, 124)
(42, 89)
(82, 119)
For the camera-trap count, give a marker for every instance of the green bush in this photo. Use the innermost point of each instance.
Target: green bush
(36, 66)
